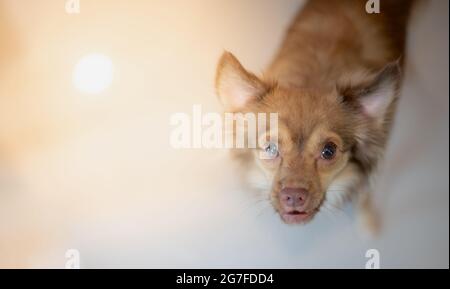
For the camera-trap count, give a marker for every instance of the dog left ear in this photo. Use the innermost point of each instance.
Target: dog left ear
(374, 94)
(236, 87)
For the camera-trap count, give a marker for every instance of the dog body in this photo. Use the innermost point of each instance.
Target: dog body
(334, 84)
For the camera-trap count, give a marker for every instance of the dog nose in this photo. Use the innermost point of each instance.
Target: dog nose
(293, 198)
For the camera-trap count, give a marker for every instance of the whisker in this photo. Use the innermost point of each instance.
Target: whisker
(337, 210)
(262, 210)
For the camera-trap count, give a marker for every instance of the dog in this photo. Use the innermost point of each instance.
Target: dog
(334, 83)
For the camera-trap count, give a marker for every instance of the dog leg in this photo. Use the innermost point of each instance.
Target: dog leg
(367, 216)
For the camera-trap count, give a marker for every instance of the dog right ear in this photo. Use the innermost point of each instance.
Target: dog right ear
(374, 94)
(235, 86)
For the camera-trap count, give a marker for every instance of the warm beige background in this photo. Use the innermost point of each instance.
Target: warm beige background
(96, 173)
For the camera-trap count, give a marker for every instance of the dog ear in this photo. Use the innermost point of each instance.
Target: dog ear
(373, 94)
(235, 86)
(372, 97)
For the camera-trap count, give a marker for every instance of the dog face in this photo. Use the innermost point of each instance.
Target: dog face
(320, 130)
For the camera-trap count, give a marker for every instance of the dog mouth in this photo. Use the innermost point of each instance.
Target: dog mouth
(297, 217)
(300, 214)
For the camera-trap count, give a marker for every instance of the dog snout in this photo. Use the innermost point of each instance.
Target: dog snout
(293, 198)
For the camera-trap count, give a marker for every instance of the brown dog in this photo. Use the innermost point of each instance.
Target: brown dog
(334, 84)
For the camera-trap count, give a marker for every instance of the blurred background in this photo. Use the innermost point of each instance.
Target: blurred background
(88, 166)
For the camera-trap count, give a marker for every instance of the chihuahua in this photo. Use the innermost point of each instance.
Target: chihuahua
(334, 84)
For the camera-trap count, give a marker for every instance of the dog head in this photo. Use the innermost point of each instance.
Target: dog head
(320, 130)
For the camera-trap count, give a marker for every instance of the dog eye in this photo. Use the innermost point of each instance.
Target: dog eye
(271, 149)
(329, 150)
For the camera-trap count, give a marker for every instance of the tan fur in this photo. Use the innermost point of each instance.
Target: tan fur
(335, 78)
